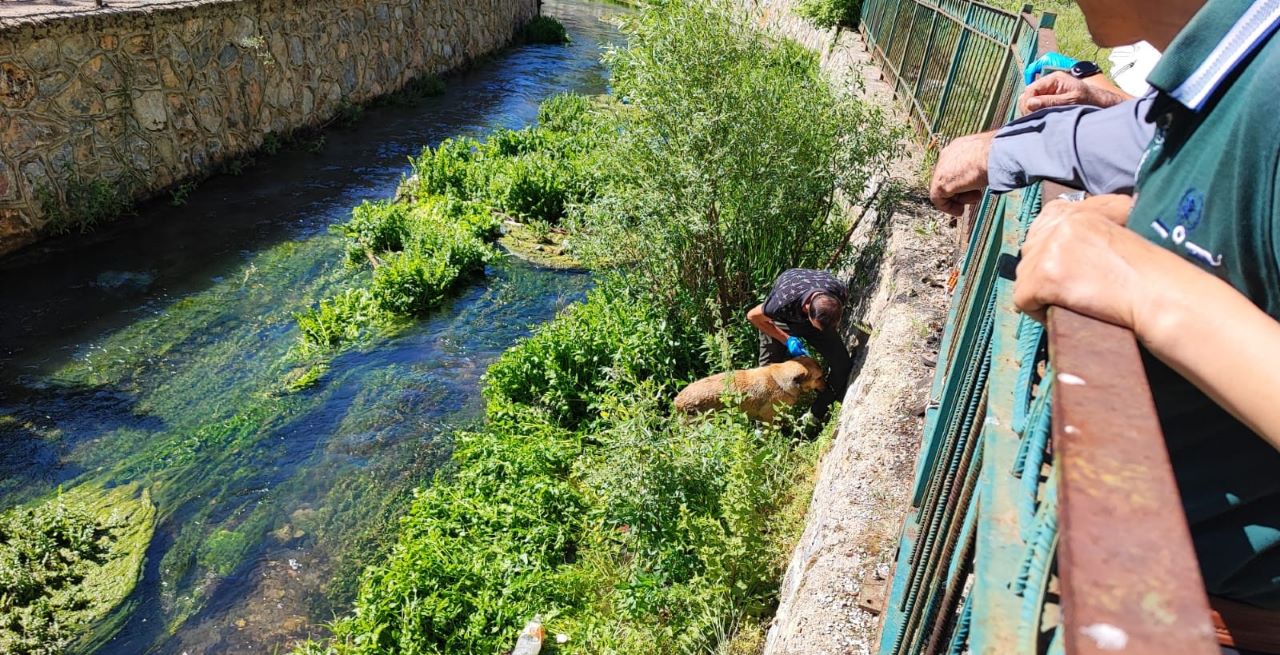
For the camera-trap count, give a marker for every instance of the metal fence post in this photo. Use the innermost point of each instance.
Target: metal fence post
(953, 69)
(989, 114)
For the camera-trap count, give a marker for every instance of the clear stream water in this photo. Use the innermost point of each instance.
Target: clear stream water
(153, 351)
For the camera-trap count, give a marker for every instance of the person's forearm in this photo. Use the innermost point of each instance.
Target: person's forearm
(1215, 337)
(765, 324)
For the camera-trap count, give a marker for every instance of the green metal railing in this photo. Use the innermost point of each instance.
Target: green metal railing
(1044, 517)
(953, 63)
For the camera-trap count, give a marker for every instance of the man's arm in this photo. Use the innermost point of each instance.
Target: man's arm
(1077, 256)
(1098, 150)
(765, 324)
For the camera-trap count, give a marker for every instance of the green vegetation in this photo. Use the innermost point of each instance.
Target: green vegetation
(436, 235)
(729, 167)
(66, 564)
(83, 205)
(545, 29)
(831, 13)
(581, 498)
(1070, 29)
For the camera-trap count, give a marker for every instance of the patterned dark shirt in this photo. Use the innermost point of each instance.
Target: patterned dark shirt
(793, 287)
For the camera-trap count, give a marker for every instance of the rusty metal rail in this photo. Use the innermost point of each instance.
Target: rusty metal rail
(1125, 559)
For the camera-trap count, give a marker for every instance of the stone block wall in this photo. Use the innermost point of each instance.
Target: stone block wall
(144, 98)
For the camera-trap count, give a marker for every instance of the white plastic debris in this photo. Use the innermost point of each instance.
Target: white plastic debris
(530, 641)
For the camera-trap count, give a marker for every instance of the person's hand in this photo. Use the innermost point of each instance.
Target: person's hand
(1048, 60)
(961, 173)
(1062, 89)
(796, 347)
(1078, 255)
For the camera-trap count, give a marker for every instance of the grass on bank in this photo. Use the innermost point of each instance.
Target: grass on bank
(580, 498)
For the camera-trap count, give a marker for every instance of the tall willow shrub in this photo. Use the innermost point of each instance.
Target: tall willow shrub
(728, 165)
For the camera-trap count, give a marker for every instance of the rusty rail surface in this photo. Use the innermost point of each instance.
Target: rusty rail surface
(1128, 571)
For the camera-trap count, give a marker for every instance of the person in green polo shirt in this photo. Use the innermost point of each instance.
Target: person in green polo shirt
(1193, 267)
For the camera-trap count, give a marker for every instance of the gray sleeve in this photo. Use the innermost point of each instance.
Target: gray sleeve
(1088, 148)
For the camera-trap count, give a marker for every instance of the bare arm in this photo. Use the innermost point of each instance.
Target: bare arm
(765, 324)
(1077, 256)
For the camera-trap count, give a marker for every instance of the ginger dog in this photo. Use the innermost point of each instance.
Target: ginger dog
(761, 388)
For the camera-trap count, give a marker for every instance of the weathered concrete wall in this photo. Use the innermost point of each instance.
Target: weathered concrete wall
(145, 98)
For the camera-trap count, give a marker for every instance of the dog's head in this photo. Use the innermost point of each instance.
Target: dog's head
(800, 375)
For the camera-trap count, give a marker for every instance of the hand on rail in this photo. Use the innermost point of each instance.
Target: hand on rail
(1080, 256)
(1061, 88)
(961, 173)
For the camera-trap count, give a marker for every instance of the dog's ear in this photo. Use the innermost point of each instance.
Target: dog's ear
(790, 376)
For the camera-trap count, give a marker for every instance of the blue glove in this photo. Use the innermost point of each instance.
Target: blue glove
(796, 347)
(1050, 60)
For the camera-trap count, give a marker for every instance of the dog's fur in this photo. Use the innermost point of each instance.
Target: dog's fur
(761, 389)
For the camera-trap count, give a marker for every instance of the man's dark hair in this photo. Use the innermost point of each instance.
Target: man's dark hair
(825, 309)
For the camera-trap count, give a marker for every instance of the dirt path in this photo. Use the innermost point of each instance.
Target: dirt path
(844, 557)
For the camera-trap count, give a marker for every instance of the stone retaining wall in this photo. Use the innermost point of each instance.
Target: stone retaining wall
(141, 99)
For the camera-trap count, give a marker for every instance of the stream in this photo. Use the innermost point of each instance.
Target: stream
(153, 352)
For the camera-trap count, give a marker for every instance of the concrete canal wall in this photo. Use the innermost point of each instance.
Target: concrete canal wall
(127, 101)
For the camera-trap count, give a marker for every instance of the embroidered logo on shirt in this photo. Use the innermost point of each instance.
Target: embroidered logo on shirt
(1190, 211)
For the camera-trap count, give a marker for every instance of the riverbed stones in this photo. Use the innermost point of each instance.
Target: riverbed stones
(157, 94)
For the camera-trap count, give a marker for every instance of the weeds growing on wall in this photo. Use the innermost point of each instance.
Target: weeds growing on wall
(83, 205)
(580, 498)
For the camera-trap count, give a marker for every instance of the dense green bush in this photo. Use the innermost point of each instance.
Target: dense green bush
(729, 164)
(634, 531)
(612, 339)
(831, 13)
(337, 321)
(545, 29)
(45, 552)
(375, 227)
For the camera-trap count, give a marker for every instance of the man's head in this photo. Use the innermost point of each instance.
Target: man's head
(1121, 22)
(823, 310)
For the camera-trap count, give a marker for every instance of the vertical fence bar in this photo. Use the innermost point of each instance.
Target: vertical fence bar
(953, 68)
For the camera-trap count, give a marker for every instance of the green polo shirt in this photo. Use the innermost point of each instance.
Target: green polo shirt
(1207, 190)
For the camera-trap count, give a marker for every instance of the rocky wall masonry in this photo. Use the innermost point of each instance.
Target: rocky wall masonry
(141, 99)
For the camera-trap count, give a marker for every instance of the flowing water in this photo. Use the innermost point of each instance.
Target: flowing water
(154, 352)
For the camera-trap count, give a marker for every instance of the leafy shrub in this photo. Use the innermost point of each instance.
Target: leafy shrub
(84, 204)
(411, 283)
(510, 143)
(831, 13)
(375, 227)
(479, 553)
(338, 321)
(587, 350)
(545, 29)
(444, 170)
(533, 186)
(45, 552)
(727, 171)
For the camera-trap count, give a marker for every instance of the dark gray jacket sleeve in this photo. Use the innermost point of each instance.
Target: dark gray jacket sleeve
(1088, 148)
